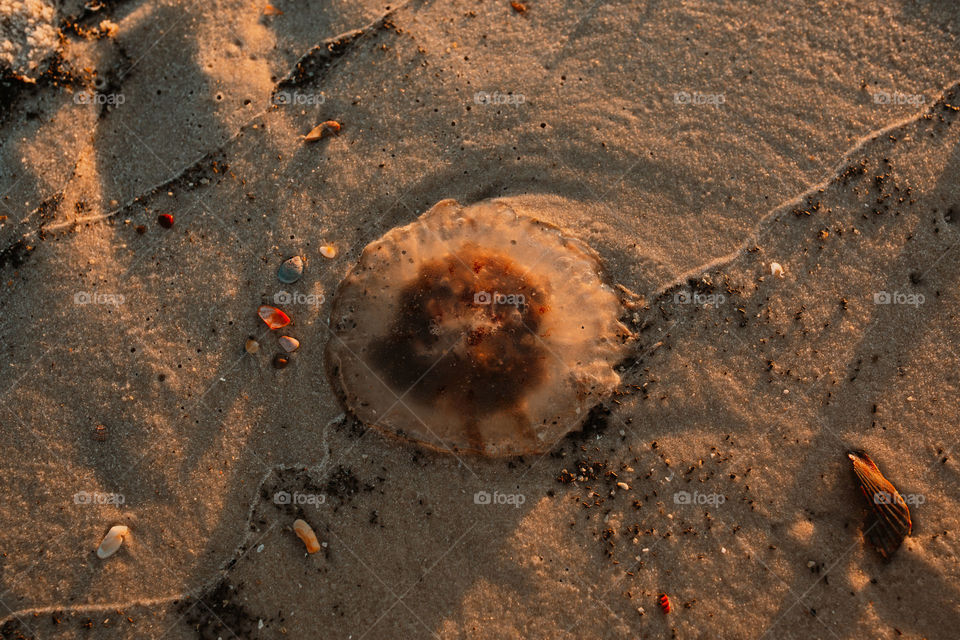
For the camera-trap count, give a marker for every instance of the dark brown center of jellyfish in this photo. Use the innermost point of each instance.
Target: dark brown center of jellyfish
(466, 335)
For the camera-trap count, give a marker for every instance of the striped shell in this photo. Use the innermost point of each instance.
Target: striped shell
(664, 603)
(889, 521)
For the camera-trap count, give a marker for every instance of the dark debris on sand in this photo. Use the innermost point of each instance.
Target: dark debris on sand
(216, 614)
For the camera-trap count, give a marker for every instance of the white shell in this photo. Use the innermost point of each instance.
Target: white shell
(112, 541)
(776, 269)
(328, 251)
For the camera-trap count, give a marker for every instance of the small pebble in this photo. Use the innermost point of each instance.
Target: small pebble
(811, 564)
(291, 270)
(624, 486)
(305, 532)
(280, 361)
(273, 317)
(328, 251)
(165, 220)
(776, 269)
(271, 10)
(289, 344)
(141, 229)
(252, 346)
(112, 541)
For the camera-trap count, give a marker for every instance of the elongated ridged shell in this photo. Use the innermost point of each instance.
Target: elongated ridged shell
(889, 521)
(112, 541)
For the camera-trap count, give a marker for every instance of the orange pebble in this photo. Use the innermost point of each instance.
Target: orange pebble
(305, 532)
(273, 316)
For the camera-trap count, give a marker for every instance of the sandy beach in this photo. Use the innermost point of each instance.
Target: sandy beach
(772, 194)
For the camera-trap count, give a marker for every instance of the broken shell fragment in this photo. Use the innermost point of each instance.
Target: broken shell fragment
(271, 10)
(100, 433)
(252, 346)
(776, 269)
(291, 270)
(165, 220)
(273, 317)
(289, 344)
(112, 541)
(476, 329)
(322, 130)
(305, 532)
(889, 522)
(328, 251)
(280, 361)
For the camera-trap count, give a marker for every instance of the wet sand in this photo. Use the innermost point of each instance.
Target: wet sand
(691, 146)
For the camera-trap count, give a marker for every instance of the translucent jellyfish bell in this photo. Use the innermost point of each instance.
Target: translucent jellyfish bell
(475, 329)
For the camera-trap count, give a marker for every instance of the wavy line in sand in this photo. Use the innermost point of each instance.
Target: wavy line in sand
(766, 222)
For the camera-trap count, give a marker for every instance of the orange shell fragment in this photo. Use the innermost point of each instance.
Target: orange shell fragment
(305, 532)
(324, 129)
(274, 318)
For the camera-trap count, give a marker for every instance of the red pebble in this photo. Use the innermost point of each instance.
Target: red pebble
(665, 603)
(165, 220)
(273, 316)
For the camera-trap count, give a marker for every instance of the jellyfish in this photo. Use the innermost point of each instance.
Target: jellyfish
(476, 329)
